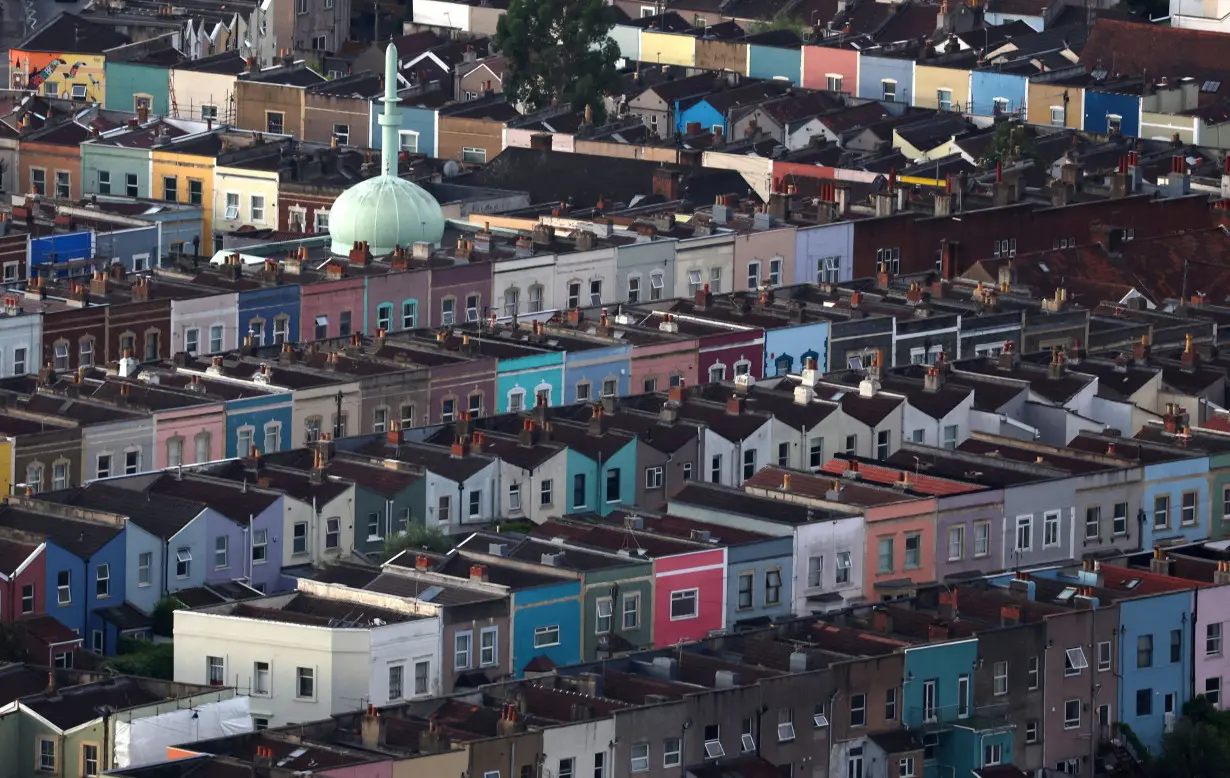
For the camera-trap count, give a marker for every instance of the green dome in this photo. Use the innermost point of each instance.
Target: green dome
(387, 212)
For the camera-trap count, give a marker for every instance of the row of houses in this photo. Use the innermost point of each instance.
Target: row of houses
(1039, 671)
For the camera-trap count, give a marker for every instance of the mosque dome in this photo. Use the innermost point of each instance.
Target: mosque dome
(387, 212)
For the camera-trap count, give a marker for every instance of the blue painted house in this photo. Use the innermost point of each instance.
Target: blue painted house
(1155, 662)
(419, 130)
(259, 419)
(784, 348)
(1108, 107)
(156, 523)
(520, 380)
(1176, 501)
(594, 368)
(993, 93)
(270, 304)
(714, 109)
(887, 79)
(777, 62)
(56, 250)
(85, 572)
(546, 622)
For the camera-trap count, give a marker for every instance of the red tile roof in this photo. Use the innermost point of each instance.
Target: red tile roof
(1115, 577)
(923, 484)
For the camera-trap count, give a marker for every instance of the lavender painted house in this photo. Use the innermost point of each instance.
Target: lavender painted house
(241, 521)
(205, 325)
(969, 533)
(459, 293)
(1212, 665)
(824, 254)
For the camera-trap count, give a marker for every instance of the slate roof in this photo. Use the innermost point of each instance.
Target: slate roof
(400, 585)
(81, 538)
(922, 484)
(13, 553)
(160, 515)
(1156, 50)
(297, 485)
(73, 34)
(234, 502)
(76, 705)
(734, 501)
(556, 176)
(125, 617)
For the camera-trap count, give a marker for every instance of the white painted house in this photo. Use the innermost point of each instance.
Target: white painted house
(309, 654)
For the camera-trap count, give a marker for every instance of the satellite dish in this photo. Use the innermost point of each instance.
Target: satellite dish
(452, 168)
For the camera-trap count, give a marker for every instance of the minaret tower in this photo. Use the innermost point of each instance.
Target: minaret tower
(390, 118)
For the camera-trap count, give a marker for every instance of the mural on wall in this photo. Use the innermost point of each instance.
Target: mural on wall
(82, 79)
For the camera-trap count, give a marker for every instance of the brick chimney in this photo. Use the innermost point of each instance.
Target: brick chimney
(360, 254)
(597, 420)
(666, 183)
(527, 436)
(934, 380)
(948, 604)
(1160, 563)
(478, 573)
(422, 563)
(735, 404)
(1190, 358)
(1141, 350)
(703, 297)
(1009, 615)
(394, 435)
(458, 449)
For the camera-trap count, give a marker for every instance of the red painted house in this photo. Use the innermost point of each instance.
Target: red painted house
(23, 574)
(689, 596)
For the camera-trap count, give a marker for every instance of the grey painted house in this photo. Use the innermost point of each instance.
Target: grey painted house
(760, 578)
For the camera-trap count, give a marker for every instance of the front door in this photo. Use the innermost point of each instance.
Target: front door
(854, 763)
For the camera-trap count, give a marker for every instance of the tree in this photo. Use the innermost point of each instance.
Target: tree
(143, 658)
(1013, 141)
(557, 51)
(417, 538)
(1199, 746)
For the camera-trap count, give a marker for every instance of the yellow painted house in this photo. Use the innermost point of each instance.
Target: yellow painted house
(664, 48)
(183, 172)
(6, 465)
(943, 89)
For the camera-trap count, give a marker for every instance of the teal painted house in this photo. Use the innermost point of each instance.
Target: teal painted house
(128, 80)
(546, 622)
(520, 380)
(938, 700)
(111, 169)
(601, 465)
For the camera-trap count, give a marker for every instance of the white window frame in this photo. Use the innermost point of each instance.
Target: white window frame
(546, 636)
(680, 595)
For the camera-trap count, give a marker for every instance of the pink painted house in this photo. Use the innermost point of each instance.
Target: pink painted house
(824, 67)
(332, 309)
(1212, 666)
(189, 434)
(654, 364)
(762, 256)
(900, 546)
(689, 596)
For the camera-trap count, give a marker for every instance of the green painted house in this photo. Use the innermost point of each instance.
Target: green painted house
(60, 731)
(110, 167)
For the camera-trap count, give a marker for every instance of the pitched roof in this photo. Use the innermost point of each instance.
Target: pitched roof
(158, 514)
(77, 705)
(13, 553)
(81, 538)
(72, 33)
(1155, 50)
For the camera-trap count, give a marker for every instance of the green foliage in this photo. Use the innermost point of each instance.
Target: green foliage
(1199, 746)
(1131, 737)
(557, 51)
(163, 616)
(517, 525)
(11, 649)
(1013, 141)
(791, 23)
(417, 538)
(144, 658)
